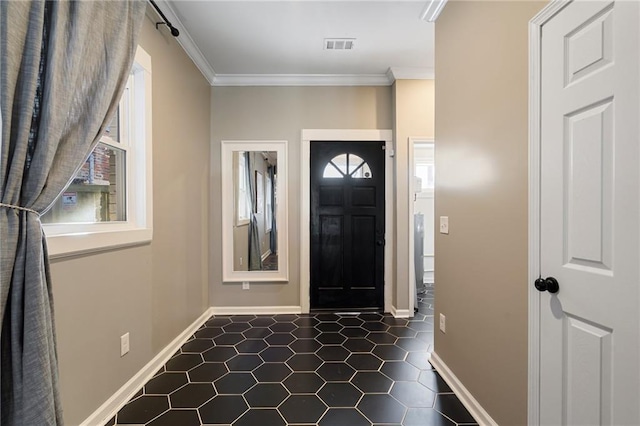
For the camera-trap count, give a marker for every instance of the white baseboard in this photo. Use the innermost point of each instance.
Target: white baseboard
(482, 417)
(265, 255)
(400, 313)
(255, 310)
(109, 409)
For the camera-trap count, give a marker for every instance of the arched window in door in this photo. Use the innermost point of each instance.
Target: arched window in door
(347, 165)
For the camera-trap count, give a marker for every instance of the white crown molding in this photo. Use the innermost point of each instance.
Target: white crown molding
(301, 80)
(432, 10)
(187, 43)
(408, 73)
(198, 58)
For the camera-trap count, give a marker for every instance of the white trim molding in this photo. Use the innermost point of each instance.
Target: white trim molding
(206, 68)
(255, 310)
(338, 135)
(301, 80)
(470, 403)
(109, 409)
(535, 41)
(409, 73)
(185, 40)
(401, 313)
(432, 10)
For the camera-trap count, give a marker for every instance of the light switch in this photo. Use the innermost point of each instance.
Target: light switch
(444, 224)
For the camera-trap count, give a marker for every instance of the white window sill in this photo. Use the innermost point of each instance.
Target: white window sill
(74, 244)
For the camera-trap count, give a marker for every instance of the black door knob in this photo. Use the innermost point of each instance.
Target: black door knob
(549, 284)
(380, 242)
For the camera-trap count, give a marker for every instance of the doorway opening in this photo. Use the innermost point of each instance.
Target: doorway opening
(422, 222)
(347, 225)
(338, 136)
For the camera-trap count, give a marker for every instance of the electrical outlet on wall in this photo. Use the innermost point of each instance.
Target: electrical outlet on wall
(124, 344)
(240, 260)
(245, 285)
(443, 325)
(444, 224)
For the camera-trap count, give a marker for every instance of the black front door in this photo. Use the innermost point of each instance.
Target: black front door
(347, 225)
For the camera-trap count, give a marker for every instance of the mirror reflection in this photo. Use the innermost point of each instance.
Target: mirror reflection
(255, 241)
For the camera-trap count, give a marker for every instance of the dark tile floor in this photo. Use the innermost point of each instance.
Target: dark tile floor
(270, 263)
(323, 369)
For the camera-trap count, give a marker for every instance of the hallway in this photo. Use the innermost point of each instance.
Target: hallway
(322, 369)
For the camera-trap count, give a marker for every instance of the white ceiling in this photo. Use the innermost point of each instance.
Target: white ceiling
(281, 42)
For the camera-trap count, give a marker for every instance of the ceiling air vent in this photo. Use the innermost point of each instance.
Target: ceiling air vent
(339, 43)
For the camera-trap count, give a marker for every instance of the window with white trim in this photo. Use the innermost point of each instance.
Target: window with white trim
(108, 203)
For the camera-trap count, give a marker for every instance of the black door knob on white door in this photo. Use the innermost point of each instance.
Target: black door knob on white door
(549, 284)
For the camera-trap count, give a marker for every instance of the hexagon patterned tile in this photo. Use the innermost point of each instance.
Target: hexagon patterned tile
(325, 369)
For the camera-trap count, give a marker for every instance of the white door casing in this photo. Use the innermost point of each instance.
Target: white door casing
(585, 107)
(337, 135)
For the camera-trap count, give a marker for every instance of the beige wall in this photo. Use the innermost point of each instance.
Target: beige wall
(154, 291)
(413, 117)
(481, 184)
(280, 113)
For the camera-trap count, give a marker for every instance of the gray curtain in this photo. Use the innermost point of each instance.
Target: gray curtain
(255, 259)
(273, 241)
(64, 67)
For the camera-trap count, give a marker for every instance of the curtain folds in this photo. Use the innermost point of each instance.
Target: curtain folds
(273, 239)
(255, 259)
(64, 67)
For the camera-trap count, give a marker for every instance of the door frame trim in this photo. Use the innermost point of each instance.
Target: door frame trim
(338, 135)
(535, 174)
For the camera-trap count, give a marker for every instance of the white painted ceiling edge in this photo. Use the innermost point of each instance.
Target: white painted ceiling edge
(387, 79)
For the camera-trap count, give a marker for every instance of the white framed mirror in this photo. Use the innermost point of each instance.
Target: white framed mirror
(254, 211)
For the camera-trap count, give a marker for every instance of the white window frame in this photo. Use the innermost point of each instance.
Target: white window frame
(78, 238)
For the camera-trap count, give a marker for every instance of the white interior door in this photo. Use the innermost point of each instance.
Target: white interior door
(590, 329)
